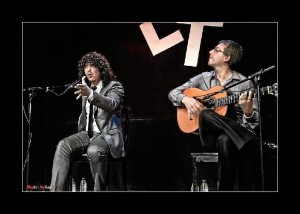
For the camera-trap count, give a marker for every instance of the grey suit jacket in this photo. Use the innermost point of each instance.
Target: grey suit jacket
(107, 116)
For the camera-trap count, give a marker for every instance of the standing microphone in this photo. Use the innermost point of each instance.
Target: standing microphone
(261, 71)
(72, 85)
(33, 89)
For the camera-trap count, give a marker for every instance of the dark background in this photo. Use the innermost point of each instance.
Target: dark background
(158, 152)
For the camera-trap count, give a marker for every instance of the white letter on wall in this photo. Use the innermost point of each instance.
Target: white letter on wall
(193, 46)
(157, 45)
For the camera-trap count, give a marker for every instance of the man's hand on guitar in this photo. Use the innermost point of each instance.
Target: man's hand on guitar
(246, 103)
(193, 106)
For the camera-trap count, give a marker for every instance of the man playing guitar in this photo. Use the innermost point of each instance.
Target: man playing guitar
(228, 130)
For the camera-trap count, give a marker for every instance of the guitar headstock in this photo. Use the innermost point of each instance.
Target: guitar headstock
(270, 90)
(274, 90)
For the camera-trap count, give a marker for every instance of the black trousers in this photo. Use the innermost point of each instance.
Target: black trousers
(238, 150)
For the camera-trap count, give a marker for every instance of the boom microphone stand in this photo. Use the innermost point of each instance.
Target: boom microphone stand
(31, 95)
(257, 77)
(257, 82)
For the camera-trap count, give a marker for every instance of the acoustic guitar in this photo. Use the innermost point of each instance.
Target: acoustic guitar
(215, 99)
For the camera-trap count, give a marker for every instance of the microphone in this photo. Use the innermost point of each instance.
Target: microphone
(32, 89)
(261, 71)
(72, 85)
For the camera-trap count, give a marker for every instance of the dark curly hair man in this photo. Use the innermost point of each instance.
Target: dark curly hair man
(99, 126)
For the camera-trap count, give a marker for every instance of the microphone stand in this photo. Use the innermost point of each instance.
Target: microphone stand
(31, 95)
(239, 82)
(257, 77)
(257, 81)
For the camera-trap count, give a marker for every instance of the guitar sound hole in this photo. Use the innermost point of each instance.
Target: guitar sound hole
(209, 103)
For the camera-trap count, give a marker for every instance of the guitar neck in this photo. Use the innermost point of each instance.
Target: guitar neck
(234, 98)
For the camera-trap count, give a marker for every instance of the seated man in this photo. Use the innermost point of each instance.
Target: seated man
(99, 125)
(232, 135)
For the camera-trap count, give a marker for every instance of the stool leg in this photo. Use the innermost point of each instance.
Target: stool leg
(195, 186)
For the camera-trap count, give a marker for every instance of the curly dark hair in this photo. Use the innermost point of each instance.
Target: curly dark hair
(99, 61)
(232, 49)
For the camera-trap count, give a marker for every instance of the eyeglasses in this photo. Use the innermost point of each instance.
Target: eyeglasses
(216, 49)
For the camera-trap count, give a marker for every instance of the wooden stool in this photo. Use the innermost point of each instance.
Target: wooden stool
(205, 167)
